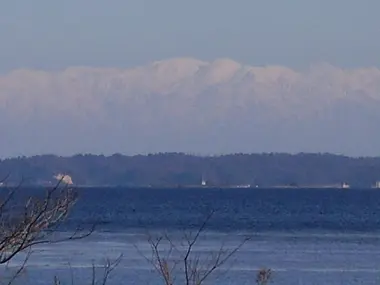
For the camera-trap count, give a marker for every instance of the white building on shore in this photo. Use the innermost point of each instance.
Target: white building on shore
(64, 178)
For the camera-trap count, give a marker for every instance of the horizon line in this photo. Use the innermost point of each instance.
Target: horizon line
(210, 155)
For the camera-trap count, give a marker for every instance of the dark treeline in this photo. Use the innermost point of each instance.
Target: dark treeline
(176, 169)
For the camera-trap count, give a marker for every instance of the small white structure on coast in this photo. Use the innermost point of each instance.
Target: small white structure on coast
(345, 185)
(64, 178)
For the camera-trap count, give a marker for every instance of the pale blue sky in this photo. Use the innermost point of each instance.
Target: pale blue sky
(55, 34)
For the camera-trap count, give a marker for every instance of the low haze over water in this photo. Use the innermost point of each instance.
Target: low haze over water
(307, 236)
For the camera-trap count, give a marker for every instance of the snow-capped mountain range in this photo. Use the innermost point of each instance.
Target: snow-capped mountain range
(189, 105)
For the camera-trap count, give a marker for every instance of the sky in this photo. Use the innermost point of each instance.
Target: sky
(52, 35)
(253, 75)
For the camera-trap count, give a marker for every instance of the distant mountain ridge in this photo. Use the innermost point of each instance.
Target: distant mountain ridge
(189, 105)
(178, 169)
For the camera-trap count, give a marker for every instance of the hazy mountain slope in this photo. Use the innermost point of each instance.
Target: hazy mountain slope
(184, 104)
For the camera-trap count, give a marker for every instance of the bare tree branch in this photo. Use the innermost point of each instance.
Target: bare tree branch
(196, 269)
(108, 268)
(263, 276)
(34, 221)
(20, 270)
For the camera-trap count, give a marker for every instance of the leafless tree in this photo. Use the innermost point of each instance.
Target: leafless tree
(33, 220)
(184, 261)
(109, 266)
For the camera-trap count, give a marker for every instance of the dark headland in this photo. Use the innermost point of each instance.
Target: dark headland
(183, 170)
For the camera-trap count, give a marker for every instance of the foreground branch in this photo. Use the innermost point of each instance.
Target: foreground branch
(195, 270)
(34, 220)
(108, 268)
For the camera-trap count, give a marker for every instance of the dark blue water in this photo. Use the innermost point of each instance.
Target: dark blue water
(118, 209)
(307, 236)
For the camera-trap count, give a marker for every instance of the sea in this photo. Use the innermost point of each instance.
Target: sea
(304, 236)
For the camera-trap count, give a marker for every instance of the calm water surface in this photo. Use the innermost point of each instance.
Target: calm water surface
(307, 236)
